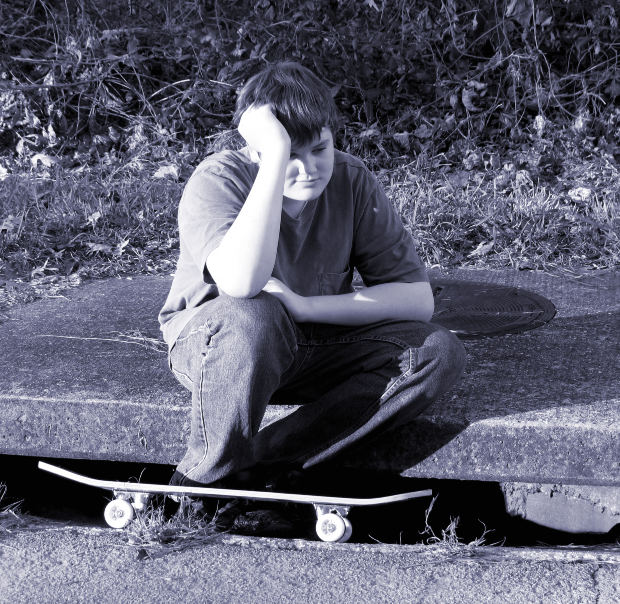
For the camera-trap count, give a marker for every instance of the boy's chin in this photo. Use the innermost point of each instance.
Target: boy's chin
(303, 194)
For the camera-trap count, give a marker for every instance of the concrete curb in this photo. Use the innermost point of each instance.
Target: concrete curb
(97, 565)
(79, 380)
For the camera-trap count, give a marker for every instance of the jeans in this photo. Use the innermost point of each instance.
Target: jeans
(237, 355)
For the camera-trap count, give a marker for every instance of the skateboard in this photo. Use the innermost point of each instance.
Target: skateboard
(332, 524)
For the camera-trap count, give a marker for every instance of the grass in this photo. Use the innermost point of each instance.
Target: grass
(153, 534)
(134, 337)
(544, 204)
(10, 517)
(511, 215)
(496, 141)
(449, 538)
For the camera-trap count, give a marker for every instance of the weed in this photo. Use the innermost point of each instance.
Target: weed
(449, 538)
(154, 533)
(10, 517)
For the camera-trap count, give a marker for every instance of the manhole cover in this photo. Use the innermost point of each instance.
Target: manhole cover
(472, 309)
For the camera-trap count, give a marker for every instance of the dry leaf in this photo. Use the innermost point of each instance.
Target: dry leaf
(467, 97)
(10, 224)
(483, 249)
(47, 160)
(580, 194)
(99, 247)
(93, 218)
(167, 171)
(423, 131)
(402, 138)
(370, 133)
(120, 248)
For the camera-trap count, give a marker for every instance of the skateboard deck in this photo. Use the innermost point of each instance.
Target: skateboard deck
(131, 497)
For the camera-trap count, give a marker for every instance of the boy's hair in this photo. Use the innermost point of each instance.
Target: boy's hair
(300, 100)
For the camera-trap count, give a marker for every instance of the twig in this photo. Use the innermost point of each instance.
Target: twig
(145, 343)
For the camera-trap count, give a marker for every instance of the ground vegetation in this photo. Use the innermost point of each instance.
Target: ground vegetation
(494, 125)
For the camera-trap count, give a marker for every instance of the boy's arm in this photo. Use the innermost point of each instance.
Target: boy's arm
(396, 301)
(244, 259)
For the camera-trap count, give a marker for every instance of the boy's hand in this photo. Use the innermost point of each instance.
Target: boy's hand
(293, 302)
(262, 130)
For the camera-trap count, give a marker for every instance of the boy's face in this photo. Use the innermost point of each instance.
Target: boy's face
(310, 167)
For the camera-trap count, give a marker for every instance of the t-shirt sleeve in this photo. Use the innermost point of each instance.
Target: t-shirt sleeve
(383, 250)
(210, 203)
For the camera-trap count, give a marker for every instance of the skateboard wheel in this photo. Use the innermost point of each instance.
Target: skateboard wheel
(118, 513)
(333, 528)
(347, 532)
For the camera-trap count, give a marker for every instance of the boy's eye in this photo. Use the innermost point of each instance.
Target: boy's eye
(320, 149)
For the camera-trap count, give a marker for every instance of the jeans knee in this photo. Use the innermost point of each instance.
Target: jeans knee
(254, 321)
(449, 353)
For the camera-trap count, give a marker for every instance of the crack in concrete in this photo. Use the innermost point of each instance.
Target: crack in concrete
(596, 582)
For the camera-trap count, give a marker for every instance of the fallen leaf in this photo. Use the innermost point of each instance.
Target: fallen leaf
(167, 171)
(47, 160)
(10, 224)
(539, 124)
(93, 218)
(502, 179)
(402, 138)
(120, 248)
(467, 97)
(99, 247)
(580, 194)
(472, 160)
(370, 133)
(423, 131)
(478, 86)
(483, 249)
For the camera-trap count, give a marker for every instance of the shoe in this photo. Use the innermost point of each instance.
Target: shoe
(241, 516)
(262, 521)
(225, 516)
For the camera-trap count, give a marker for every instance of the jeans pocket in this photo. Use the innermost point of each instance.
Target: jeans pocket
(336, 283)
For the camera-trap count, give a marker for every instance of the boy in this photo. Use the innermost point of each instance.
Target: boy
(262, 310)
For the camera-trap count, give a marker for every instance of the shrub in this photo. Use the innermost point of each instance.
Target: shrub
(408, 75)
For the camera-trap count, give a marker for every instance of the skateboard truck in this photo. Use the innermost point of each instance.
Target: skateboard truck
(332, 524)
(119, 512)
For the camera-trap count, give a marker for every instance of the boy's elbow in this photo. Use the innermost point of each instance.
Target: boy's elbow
(423, 311)
(422, 304)
(239, 290)
(427, 311)
(231, 282)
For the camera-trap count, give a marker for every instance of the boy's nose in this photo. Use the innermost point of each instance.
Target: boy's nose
(306, 166)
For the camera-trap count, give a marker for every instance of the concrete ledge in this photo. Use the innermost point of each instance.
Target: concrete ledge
(64, 564)
(83, 377)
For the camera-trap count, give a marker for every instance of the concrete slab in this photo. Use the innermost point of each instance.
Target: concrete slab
(82, 376)
(76, 564)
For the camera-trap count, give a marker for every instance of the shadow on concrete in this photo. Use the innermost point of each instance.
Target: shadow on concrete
(538, 404)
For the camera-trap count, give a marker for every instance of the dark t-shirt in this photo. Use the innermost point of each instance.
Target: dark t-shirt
(351, 225)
